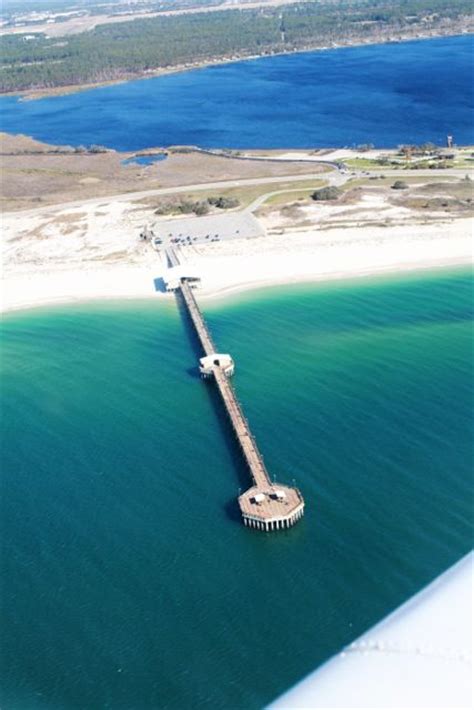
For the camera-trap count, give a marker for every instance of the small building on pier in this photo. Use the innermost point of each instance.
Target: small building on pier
(208, 363)
(173, 276)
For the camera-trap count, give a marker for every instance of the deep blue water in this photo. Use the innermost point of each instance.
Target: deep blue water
(128, 580)
(408, 92)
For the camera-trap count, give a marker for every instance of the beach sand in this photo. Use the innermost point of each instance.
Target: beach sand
(89, 253)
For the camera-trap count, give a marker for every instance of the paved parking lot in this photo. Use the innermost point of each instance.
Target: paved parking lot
(203, 230)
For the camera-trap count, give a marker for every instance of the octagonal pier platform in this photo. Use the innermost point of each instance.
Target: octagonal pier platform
(272, 507)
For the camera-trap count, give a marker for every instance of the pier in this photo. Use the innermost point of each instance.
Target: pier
(265, 505)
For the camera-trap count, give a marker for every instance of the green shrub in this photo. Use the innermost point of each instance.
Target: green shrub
(223, 203)
(327, 193)
(201, 208)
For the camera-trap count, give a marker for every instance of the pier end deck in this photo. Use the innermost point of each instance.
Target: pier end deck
(272, 507)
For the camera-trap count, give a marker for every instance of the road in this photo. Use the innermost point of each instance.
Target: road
(336, 177)
(133, 196)
(85, 23)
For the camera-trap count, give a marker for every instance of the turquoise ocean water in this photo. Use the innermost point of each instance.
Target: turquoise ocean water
(128, 580)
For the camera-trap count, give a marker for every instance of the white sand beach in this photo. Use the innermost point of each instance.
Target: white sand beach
(94, 252)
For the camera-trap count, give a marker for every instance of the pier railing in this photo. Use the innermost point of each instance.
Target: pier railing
(261, 505)
(234, 410)
(172, 257)
(197, 318)
(242, 430)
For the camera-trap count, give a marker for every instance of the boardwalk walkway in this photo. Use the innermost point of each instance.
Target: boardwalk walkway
(242, 431)
(265, 505)
(172, 257)
(197, 319)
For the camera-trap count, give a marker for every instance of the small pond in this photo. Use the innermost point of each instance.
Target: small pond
(145, 159)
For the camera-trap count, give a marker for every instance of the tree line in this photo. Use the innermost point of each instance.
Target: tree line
(123, 50)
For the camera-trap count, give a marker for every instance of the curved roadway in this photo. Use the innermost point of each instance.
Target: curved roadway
(336, 177)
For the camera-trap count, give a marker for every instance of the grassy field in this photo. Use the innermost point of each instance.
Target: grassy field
(284, 194)
(299, 192)
(288, 192)
(464, 161)
(398, 163)
(33, 175)
(449, 197)
(463, 158)
(428, 194)
(382, 181)
(365, 164)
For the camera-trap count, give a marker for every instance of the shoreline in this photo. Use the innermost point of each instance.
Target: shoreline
(219, 293)
(405, 269)
(92, 252)
(40, 93)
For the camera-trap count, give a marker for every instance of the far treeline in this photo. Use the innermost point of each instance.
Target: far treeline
(126, 50)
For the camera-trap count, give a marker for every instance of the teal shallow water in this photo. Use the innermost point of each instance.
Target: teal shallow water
(128, 581)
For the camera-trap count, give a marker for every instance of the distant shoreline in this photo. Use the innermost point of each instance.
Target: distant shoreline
(33, 94)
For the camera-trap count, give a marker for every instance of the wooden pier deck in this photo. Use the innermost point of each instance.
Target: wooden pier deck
(197, 319)
(266, 505)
